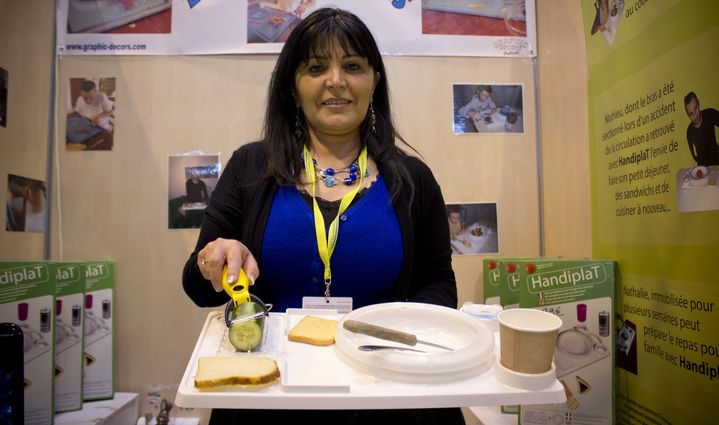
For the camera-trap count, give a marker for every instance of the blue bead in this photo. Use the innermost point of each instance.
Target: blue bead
(330, 181)
(347, 180)
(314, 162)
(323, 174)
(353, 176)
(353, 168)
(330, 171)
(366, 173)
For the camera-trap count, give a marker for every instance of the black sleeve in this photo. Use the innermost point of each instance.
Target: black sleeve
(692, 149)
(714, 117)
(222, 219)
(433, 279)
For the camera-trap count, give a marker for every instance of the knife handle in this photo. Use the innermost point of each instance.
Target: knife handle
(380, 332)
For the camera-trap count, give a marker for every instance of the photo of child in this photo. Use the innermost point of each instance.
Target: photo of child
(487, 108)
(480, 236)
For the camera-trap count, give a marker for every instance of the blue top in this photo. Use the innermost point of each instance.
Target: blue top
(366, 261)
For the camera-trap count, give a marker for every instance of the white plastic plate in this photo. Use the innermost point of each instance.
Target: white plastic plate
(472, 343)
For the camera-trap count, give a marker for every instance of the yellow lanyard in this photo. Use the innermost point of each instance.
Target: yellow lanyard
(325, 244)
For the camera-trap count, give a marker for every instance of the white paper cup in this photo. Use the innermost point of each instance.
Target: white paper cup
(527, 339)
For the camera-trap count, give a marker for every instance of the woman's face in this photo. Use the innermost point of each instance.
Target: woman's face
(335, 92)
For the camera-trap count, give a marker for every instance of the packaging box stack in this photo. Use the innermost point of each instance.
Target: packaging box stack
(69, 320)
(27, 298)
(581, 293)
(98, 382)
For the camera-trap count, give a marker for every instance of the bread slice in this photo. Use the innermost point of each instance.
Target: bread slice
(251, 371)
(314, 330)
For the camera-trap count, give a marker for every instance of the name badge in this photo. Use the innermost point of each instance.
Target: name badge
(341, 304)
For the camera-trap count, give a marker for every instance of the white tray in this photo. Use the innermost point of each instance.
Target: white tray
(315, 378)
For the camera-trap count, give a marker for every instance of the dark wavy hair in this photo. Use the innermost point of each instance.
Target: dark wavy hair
(315, 36)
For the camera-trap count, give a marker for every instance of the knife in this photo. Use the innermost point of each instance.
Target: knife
(387, 334)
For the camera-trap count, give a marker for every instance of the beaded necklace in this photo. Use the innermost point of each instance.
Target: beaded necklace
(329, 176)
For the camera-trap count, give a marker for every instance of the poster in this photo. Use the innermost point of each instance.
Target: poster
(654, 165)
(503, 28)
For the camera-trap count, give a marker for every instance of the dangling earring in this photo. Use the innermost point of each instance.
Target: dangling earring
(372, 120)
(298, 126)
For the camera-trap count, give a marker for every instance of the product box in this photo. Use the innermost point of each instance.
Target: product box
(581, 293)
(509, 281)
(490, 282)
(69, 320)
(98, 382)
(27, 298)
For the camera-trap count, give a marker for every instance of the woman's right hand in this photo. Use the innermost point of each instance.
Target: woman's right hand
(212, 258)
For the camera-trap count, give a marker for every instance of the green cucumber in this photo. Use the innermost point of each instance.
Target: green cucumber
(246, 335)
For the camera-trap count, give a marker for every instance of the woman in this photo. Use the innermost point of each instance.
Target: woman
(328, 160)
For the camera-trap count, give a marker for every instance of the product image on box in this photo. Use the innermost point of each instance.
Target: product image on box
(69, 295)
(97, 325)
(582, 343)
(36, 340)
(98, 378)
(67, 334)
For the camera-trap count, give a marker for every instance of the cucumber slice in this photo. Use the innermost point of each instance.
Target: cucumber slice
(246, 309)
(246, 336)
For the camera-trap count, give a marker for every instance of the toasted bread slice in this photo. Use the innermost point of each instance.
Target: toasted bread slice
(314, 330)
(251, 371)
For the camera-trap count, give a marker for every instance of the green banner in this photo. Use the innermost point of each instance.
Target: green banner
(654, 163)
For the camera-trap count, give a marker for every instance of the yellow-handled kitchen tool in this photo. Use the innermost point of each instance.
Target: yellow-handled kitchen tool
(238, 291)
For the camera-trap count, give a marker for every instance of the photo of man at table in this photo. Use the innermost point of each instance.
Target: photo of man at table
(192, 180)
(487, 108)
(91, 114)
(697, 184)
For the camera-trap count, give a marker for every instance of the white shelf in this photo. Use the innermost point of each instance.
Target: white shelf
(336, 384)
(120, 410)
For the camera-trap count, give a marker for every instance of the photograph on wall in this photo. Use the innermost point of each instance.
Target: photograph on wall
(3, 96)
(25, 210)
(192, 179)
(606, 20)
(119, 17)
(473, 228)
(272, 21)
(697, 184)
(487, 108)
(470, 17)
(90, 114)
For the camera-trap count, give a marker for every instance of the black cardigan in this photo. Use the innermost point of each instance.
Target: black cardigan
(240, 206)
